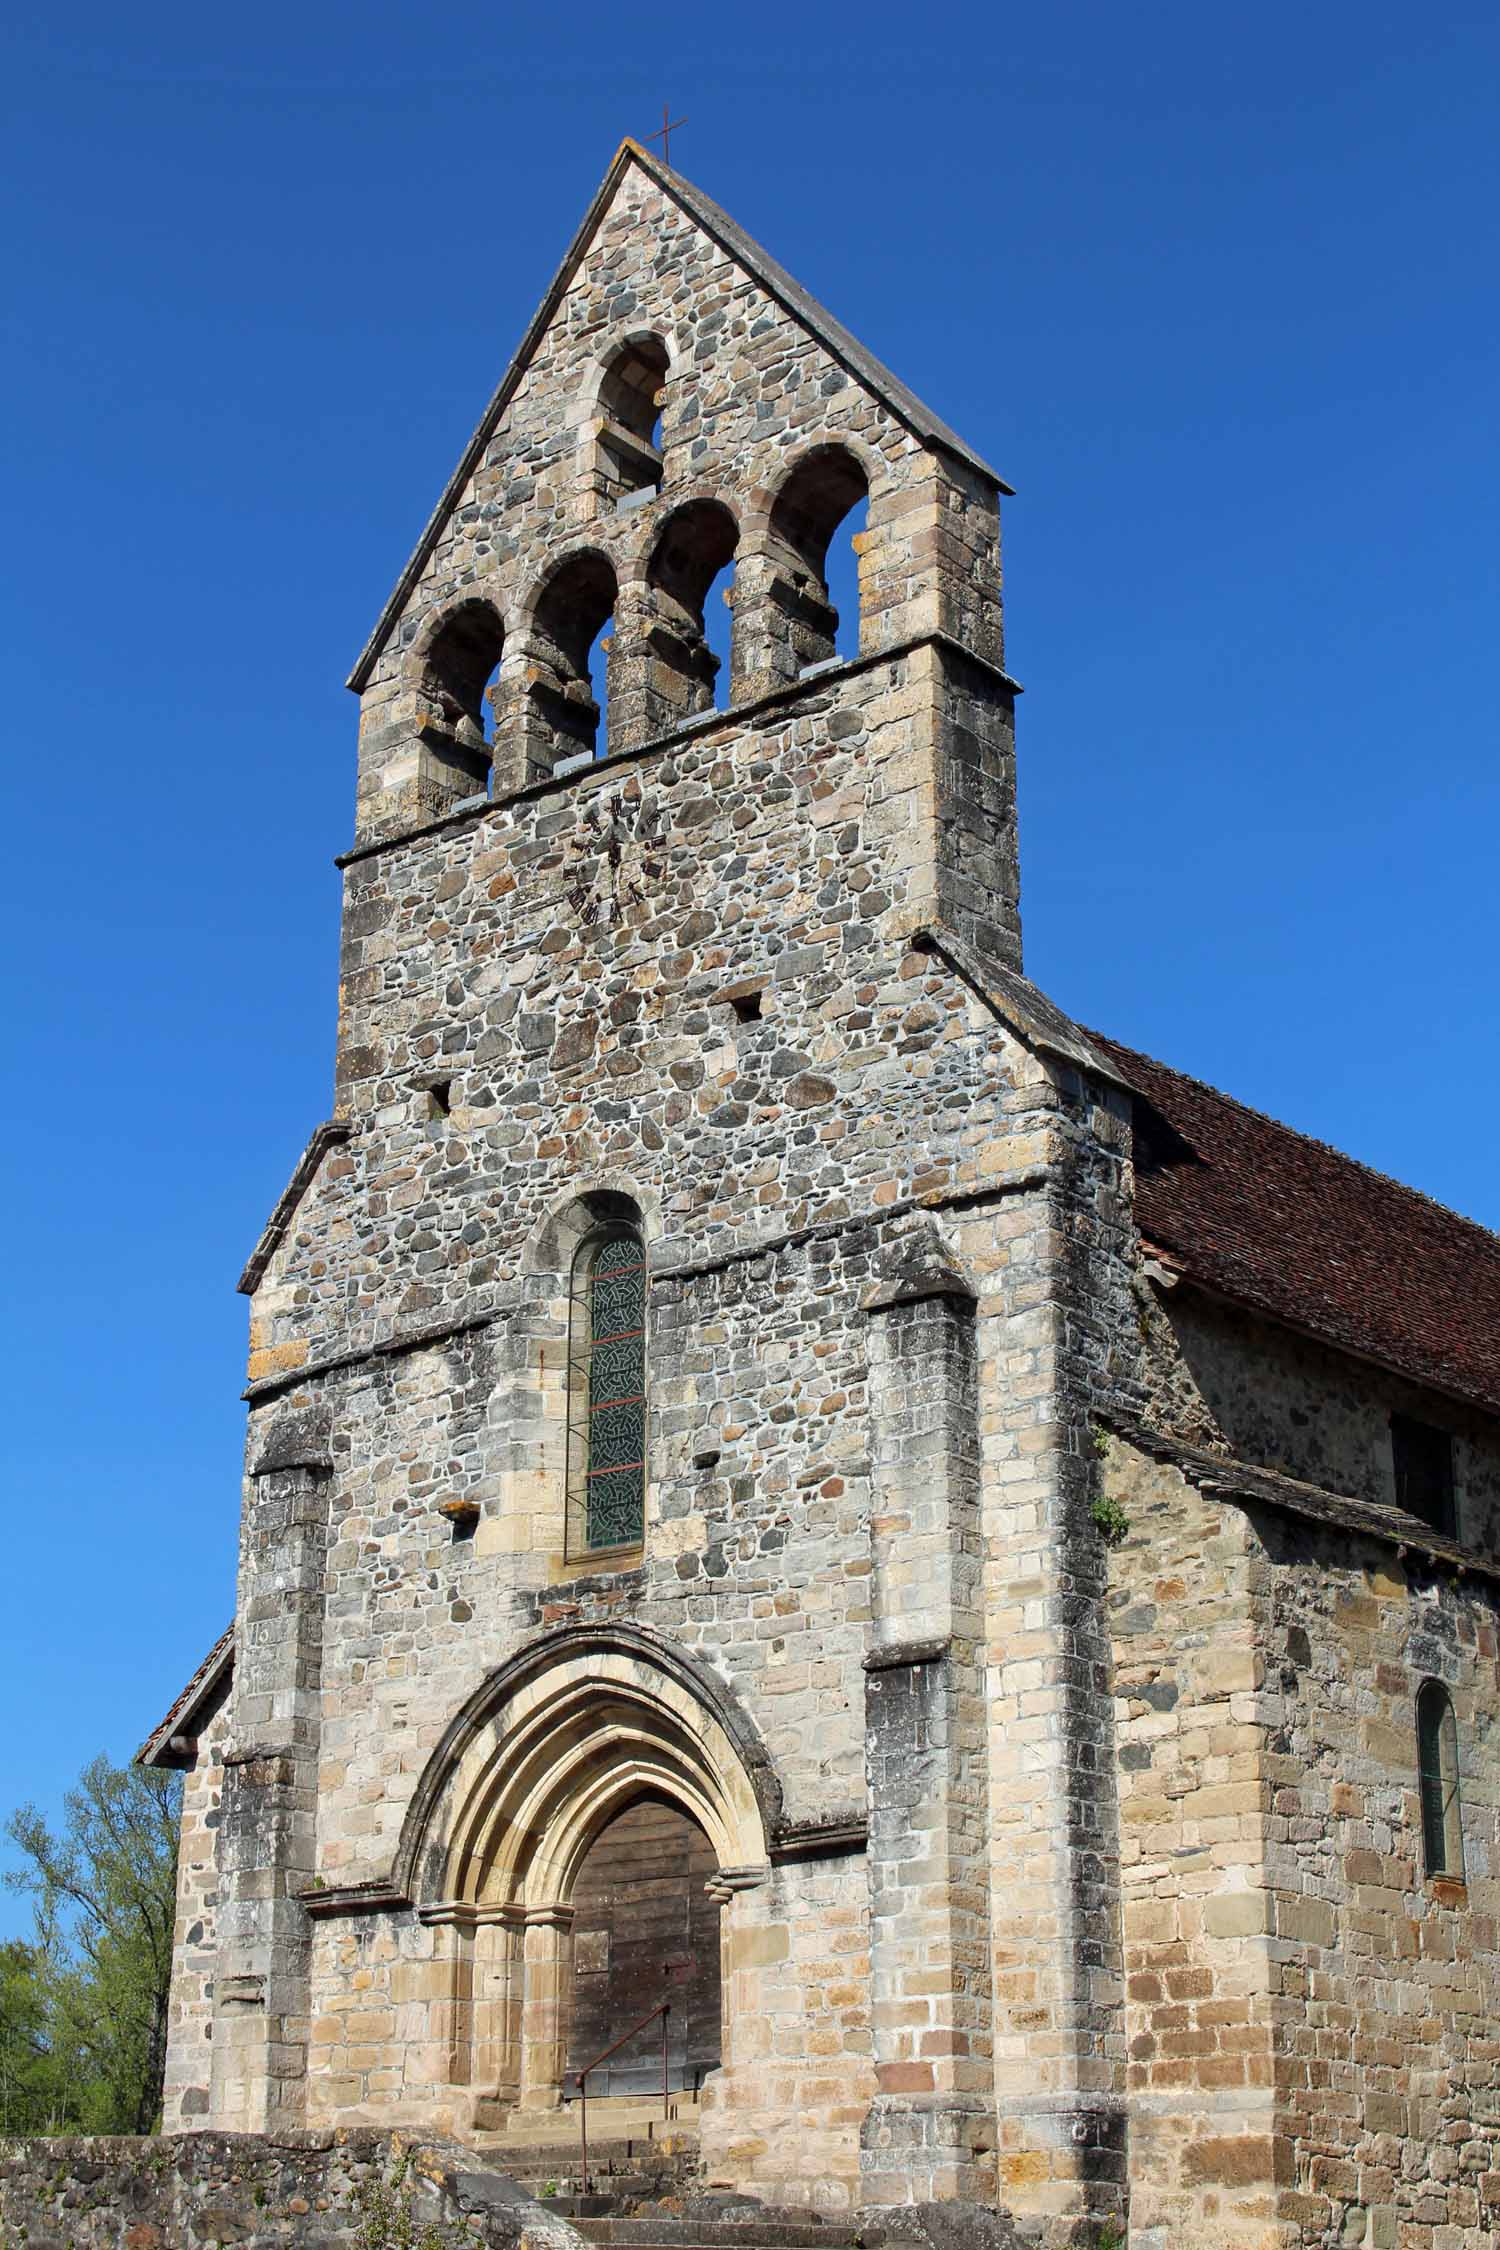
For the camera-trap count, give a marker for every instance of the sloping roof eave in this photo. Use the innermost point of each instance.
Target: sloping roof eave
(323, 1137)
(166, 1743)
(1256, 1214)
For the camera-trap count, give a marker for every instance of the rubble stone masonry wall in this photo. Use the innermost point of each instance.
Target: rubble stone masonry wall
(1222, 1378)
(698, 979)
(295, 2190)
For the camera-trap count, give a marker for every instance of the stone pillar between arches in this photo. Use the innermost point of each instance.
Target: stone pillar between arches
(547, 1966)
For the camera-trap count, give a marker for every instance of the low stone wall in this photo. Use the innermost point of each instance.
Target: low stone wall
(296, 2190)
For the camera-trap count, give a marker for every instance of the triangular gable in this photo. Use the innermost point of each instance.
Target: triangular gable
(836, 340)
(174, 1742)
(324, 1137)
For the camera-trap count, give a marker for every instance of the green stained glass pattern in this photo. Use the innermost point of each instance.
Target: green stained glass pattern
(614, 1509)
(615, 1370)
(617, 1436)
(616, 1300)
(607, 1385)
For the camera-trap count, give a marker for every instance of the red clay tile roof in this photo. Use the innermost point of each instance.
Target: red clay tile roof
(1289, 1227)
(185, 1717)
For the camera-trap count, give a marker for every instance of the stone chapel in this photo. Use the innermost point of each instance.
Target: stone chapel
(786, 1477)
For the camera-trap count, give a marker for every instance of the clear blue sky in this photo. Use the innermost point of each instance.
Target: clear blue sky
(1214, 288)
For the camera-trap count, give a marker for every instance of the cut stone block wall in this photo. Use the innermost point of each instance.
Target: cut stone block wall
(1311, 2054)
(1384, 1977)
(186, 2098)
(1195, 1806)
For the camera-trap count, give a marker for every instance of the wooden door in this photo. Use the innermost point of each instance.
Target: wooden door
(644, 1931)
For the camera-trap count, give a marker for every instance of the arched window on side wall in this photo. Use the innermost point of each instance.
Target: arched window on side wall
(1437, 1765)
(825, 488)
(607, 1393)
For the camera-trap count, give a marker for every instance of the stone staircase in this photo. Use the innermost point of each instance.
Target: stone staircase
(644, 2173)
(635, 2153)
(645, 2189)
(674, 2231)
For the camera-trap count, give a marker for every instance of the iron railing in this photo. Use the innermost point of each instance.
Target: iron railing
(663, 2009)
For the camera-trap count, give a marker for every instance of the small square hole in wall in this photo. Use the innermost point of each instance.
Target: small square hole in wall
(438, 1098)
(747, 1006)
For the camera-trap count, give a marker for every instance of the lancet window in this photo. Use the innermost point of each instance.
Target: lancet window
(1437, 1757)
(607, 1393)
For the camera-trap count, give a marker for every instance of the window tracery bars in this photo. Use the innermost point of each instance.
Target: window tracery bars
(607, 1394)
(1437, 1766)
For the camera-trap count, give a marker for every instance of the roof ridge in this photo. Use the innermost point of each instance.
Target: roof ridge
(1310, 1140)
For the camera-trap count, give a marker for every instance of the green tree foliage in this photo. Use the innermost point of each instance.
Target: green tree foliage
(87, 2001)
(32, 2099)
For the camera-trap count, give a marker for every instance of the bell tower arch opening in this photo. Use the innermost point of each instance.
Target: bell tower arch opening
(819, 586)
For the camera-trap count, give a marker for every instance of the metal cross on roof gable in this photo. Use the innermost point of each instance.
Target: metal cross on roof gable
(669, 125)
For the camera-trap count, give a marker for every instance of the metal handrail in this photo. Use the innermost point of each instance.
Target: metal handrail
(663, 2009)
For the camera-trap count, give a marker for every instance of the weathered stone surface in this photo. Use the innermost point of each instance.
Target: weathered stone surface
(305, 2190)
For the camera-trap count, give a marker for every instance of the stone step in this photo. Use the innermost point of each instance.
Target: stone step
(651, 2150)
(667, 2233)
(611, 2124)
(637, 2155)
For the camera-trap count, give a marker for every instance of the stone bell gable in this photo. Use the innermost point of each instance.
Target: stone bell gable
(677, 401)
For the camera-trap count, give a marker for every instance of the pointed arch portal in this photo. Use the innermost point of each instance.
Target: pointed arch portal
(570, 1846)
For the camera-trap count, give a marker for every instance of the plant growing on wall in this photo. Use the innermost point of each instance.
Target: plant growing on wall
(388, 2221)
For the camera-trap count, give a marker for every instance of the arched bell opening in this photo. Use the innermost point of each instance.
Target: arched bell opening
(668, 665)
(458, 688)
(692, 562)
(564, 681)
(628, 459)
(825, 488)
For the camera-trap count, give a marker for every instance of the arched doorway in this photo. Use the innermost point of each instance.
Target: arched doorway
(644, 1931)
(585, 1803)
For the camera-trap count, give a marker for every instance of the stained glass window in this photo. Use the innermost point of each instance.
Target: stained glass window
(607, 1394)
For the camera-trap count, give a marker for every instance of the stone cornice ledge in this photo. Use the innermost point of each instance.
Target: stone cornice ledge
(418, 1339)
(323, 1903)
(835, 1838)
(1022, 1007)
(900, 1656)
(1242, 1483)
(730, 720)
